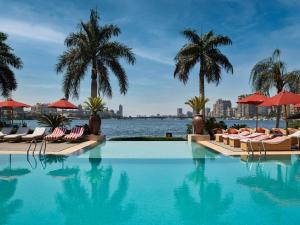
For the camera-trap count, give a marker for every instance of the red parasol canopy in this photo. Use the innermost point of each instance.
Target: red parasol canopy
(62, 104)
(282, 98)
(255, 98)
(10, 103)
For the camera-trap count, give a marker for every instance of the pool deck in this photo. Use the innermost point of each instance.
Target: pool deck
(61, 148)
(230, 151)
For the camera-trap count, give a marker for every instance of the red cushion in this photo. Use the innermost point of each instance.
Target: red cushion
(233, 131)
(277, 131)
(260, 130)
(245, 129)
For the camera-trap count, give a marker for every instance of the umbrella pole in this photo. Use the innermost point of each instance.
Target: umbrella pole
(256, 116)
(286, 119)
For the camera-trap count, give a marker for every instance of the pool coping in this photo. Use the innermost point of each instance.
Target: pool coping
(228, 152)
(67, 151)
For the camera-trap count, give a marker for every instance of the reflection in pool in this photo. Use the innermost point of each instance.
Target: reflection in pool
(203, 189)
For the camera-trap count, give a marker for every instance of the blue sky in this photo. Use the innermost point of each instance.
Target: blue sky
(37, 30)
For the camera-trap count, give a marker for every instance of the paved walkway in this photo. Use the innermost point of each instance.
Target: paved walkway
(230, 151)
(62, 148)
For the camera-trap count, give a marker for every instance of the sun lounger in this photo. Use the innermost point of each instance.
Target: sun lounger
(38, 134)
(295, 138)
(249, 144)
(280, 143)
(56, 135)
(5, 131)
(75, 134)
(228, 136)
(17, 136)
(236, 141)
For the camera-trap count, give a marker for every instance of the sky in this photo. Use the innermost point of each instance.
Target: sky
(37, 30)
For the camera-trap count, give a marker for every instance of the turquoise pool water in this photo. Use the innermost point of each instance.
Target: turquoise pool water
(188, 185)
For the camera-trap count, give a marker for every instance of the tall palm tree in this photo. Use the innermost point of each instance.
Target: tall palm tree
(271, 73)
(8, 59)
(203, 50)
(91, 47)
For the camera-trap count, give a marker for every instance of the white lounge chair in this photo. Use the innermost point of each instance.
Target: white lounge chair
(5, 131)
(38, 134)
(17, 136)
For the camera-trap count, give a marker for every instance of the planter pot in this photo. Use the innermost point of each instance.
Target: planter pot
(95, 124)
(198, 124)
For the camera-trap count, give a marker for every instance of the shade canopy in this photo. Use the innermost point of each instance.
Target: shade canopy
(10, 103)
(282, 98)
(254, 99)
(62, 104)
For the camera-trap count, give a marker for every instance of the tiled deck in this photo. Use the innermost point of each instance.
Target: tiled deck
(230, 151)
(52, 148)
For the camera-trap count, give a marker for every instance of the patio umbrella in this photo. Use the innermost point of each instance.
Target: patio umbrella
(283, 98)
(11, 104)
(63, 173)
(62, 104)
(254, 99)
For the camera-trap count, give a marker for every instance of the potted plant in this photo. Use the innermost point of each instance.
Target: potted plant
(95, 105)
(197, 104)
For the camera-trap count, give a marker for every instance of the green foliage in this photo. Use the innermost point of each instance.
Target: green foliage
(294, 124)
(53, 121)
(189, 129)
(92, 47)
(144, 138)
(197, 103)
(238, 126)
(8, 60)
(94, 105)
(211, 123)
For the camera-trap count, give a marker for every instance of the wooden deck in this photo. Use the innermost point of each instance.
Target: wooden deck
(62, 148)
(230, 151)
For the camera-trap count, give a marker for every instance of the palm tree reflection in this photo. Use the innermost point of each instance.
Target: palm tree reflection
(280, 190)
(99, 205)
(206, 203)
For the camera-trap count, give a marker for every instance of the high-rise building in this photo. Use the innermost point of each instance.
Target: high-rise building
(179, 112)
(245, 110)
(221, 108)
(120, 111)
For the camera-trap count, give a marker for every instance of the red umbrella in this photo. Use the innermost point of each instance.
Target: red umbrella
(254, 99)
(62, 104)
(11, 104)
(283, 98)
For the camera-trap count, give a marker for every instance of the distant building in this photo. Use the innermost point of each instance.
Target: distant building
(245, 110)
(42, 108)
(207, 111)
(120, 111)
(220, 108)
(189, 114)
(179, 112)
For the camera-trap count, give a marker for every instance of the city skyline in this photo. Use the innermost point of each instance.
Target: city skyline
(37, 30)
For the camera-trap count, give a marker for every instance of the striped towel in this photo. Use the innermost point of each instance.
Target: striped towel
(75, 133)
(56, 134)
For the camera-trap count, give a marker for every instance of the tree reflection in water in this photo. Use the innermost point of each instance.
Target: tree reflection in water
(208, 204)
(8, 207)
(100, 205)
(281, 190)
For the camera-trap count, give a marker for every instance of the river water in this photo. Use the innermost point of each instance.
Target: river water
(153, 127)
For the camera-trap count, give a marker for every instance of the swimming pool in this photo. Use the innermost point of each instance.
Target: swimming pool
(188, 184)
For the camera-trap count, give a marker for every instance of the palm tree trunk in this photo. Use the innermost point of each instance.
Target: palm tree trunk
(94, 83)
(201, 88)
(278, 115)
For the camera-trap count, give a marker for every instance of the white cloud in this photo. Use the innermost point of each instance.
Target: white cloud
(153, 56)
(23, 29)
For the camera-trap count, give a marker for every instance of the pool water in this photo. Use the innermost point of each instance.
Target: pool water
(189, 184)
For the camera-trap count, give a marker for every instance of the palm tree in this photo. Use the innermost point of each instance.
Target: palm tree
(271, 73)
(8, 59)
(91, 47)
(202, 49)
(196, 103)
